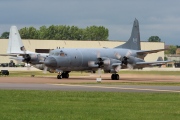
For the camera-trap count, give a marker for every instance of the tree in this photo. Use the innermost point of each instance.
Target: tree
(177, 46)
(5, 35)
(154, 39)
(24, 33)
(63, 32)
(171, 50)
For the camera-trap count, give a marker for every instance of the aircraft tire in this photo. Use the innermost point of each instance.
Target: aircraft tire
(65, 75)
(112, 77)
(59, 76)
(115, 77)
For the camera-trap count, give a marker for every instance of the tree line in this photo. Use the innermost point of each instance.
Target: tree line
(62, 32)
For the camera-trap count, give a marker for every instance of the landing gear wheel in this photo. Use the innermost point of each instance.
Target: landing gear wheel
(65, 75)
(115, 77)
(112, 77)
(59, 76)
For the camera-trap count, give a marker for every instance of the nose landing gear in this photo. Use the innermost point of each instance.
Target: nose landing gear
(63, 75)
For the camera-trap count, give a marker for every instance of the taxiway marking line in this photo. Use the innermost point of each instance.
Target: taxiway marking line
(138, 89)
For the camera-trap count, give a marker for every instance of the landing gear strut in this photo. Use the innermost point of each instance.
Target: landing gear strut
(63, 75)
(115, 77)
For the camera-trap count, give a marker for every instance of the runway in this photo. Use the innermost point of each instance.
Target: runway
(88, 83)
(91, 87)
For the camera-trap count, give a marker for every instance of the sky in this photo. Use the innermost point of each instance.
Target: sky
(156, 17)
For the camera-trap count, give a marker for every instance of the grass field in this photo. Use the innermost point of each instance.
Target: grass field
(62, 105)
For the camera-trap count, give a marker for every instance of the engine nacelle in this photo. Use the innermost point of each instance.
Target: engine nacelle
(33, 58)
(42, 67)
(113, 67)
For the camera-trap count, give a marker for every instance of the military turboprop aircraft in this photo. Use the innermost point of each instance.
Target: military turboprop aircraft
(18, 52)
(111, 60)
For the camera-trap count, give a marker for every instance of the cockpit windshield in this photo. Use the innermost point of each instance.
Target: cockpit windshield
(62, 54)
(57, 53)
(51, 53)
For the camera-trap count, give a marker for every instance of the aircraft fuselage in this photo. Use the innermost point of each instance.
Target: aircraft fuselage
(77, 59)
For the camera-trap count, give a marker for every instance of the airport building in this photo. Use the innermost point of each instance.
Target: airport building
(43, 46)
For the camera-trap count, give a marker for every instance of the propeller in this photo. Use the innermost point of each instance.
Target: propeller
(101, 61)
(127, 60)
(27, 57)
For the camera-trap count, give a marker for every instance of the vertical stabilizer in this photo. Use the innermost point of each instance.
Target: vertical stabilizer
(15, 42)
(134, 40)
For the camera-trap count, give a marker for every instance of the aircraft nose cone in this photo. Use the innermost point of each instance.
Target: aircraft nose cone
(50, 62)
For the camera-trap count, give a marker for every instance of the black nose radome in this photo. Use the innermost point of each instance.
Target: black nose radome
(50, 62)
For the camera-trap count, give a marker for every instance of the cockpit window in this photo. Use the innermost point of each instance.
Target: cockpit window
(56, 54)
(51, 53)
(62, 54)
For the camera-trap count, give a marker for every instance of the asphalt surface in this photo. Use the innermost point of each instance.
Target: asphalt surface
(91, 87)
(88, 83)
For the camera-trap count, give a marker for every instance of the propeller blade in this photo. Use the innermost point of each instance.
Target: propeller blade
(92, 64)
(117, 69)
(98, 54)
(99, 72)
(118, 56)
(28, 67)
(45, 69)
(130, 66)
(128, 53)
(106, 62)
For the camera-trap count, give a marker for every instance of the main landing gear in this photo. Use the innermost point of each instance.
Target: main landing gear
(115, 77)
(63, 75)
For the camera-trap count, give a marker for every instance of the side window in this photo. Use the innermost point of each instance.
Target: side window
(62, 54)
(51, 53)
(56, 54)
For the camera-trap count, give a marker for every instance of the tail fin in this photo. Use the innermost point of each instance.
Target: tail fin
(15, 42)
(15, 45)
(134, 40)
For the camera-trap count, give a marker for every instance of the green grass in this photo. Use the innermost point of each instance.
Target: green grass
(62, 105)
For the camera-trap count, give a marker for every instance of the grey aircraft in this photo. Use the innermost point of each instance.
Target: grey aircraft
(111, 60)
(16, 50)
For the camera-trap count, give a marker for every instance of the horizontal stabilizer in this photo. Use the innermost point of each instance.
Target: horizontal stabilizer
(143, 53)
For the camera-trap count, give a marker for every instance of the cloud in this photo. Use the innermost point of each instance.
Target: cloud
(155, 17)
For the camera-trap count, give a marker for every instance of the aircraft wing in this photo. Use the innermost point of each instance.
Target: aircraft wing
(17, 58)
(13, 55)
(150, 64)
